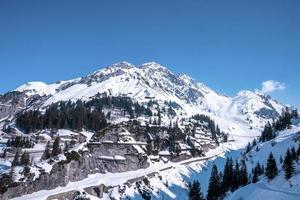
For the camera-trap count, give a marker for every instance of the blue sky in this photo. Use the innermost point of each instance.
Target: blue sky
(228, 45)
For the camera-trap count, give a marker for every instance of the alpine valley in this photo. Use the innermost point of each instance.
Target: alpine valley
(143, 132)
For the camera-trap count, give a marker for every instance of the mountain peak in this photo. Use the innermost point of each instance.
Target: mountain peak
(246, 93)
(123, 65)
(152, 65)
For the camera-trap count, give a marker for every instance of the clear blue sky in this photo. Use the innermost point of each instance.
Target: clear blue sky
(228, 45)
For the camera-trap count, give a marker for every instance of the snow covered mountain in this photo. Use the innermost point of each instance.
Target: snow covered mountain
(115, 120)
(151, 81)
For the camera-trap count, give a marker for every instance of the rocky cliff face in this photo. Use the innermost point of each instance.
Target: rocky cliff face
(62, 173)
(10, 103)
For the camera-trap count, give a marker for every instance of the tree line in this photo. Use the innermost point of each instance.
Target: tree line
(283, 122)
(20, 142)
(235, 175)
(288, 163)
(78, 115)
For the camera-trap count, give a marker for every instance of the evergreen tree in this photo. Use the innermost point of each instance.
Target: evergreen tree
(16, 159)
(288, 165)
(227, 175)
(257, 149)
(56, 150)
(195, 191)
(254, 142)
(66, 147)
(284, 120)
(4, 153)
(258, 168)
(271, 169)
(267, 133)
(236, 176)
(287, 118)
(8, 143)
(243, 174)
(255, 176)
(26, 170)
(293, 153)
(46, 154)
(257, 171)
(248, 148)
(159, 117)
(298, 151)
(213, 192)
(25, 159)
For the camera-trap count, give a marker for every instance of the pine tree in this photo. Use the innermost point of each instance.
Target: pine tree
(159, 117)
(257, 171)
(254, 142)
(298, 151)
(195, 191)
(66, 147)
(227, 175)
(16, 159)
(257, 149)
(214, 184)
(46, 154)
(288, 165)
(258, 168)
(293, 153)
(8, 143)
(248, 148)
(243, 174)
(271, 169)
(255, 176)
(56, 150)
(4, 153)
(25, 159)
(284, 120)
(267, 133)
(287, 118)
(236, 176)
(26, 170)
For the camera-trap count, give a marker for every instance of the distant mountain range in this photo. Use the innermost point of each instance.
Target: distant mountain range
(151, 81)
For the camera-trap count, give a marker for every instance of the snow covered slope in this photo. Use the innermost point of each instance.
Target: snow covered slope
(172, 183)
(278, 188)
(151, 81)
